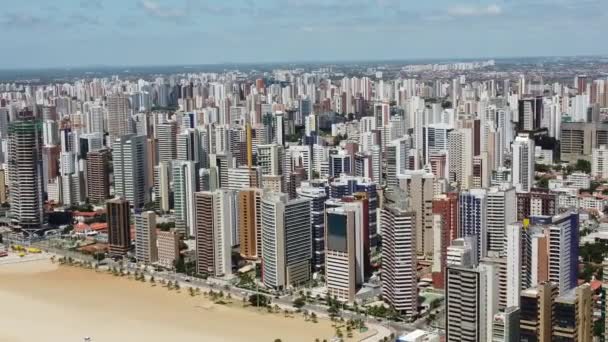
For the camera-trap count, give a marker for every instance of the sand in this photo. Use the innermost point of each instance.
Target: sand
(41, 301)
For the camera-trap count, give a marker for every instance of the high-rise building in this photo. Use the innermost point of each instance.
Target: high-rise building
(418, 186)
(445, 206)
(2, 186)
(166, 134)
(340, 253)
(399, 282)
(162, 189)
(168, 247)
(473, 218)
(505, 326)
(573, 315)
(249, 222)
(119, 116)
(243, 177)
(129, 160)
(435, 140)
(397, 152)
(599, 163)
(213, 233)
(98, 175)
(301, 156)
(184, 186)
(537, 202)
(522, 168)
(221, 163)
(530, 111)
(518, 250)
(25, 173)
(536, 312)
(145, 237)
(119, 227)
(317, 197)
(348, 186)
(469, 295)
(286, 241)
(578, 139)
(340, 163)
(270, 158)
(460, 151)
(501, 211)
(188, 146)
(563, 250)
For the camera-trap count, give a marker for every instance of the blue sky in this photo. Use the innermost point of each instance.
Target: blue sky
(43, 33)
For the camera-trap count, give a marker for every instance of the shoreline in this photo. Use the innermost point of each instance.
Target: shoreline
(57, 297)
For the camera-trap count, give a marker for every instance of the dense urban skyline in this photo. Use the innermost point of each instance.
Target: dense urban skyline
(157, 32)
(396, 187)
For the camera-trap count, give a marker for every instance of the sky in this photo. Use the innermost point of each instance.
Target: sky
(71, 33)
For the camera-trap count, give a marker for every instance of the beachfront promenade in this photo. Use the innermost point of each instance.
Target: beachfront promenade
(382, 329)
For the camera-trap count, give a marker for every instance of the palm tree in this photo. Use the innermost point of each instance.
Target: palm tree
(339, 333)
(313, 317)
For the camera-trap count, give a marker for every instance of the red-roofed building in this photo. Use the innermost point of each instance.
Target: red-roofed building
(99, 226)
(81, 227)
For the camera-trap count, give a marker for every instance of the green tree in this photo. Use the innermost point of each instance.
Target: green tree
(299, 302)
(259, 300)
(598, 328)
(583, 166)
(542, 168)
(543, 183)
(165, 226)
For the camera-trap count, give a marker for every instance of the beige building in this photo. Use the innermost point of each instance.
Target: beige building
(273, 183)
(168, 247)
(340, 253)
(145, 237)
(2, 186)
(98, 176)
(573, 315)
(418, 186)
(249, 222)
(536, 315)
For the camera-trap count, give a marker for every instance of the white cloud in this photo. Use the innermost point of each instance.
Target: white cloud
(154, 9)
(475, 11)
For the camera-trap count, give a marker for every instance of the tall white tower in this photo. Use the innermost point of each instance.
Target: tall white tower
(523, 163)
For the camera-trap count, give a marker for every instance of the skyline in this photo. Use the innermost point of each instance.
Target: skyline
(113, 33)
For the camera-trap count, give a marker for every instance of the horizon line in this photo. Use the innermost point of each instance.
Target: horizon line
(301, 62)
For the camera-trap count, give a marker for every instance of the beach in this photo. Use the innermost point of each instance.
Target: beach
(42, 301)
